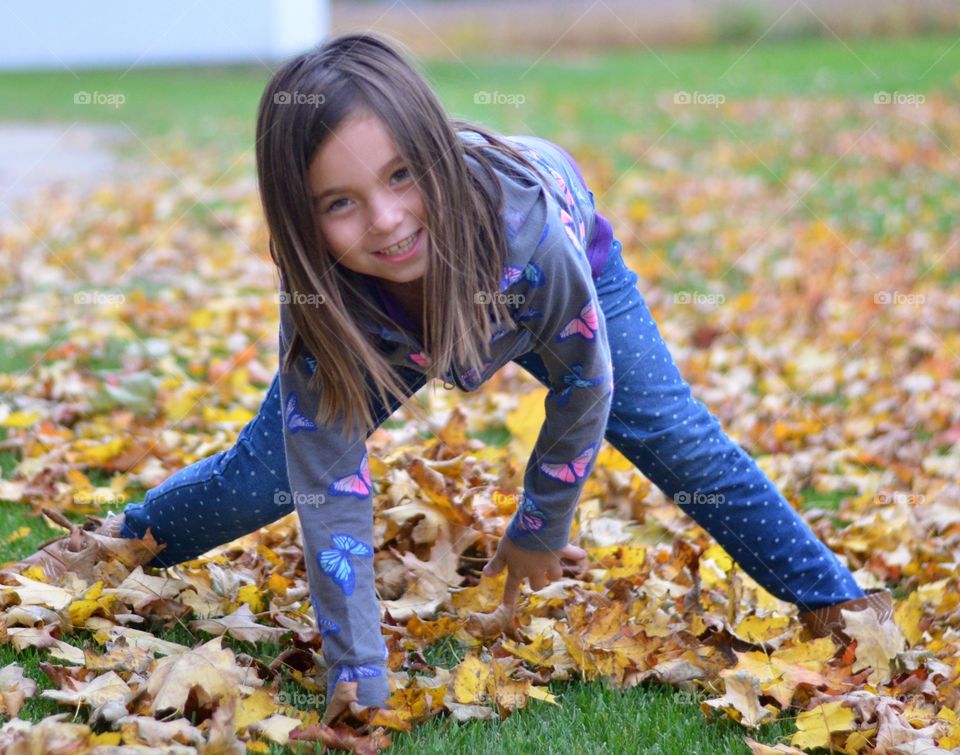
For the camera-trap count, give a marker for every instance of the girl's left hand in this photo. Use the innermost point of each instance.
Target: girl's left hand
(540, 567)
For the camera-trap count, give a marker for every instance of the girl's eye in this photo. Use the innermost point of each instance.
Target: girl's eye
(333, 205)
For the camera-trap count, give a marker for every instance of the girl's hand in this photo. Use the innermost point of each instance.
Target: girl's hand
(540, 567)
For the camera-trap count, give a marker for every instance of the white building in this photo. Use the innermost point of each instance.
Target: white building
(65, 34)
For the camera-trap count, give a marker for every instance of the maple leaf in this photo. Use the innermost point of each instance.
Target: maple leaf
(209, 671)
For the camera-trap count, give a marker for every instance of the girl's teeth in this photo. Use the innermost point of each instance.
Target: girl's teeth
(398, 249)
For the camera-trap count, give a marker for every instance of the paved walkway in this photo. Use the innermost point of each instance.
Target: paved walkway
(72, 157)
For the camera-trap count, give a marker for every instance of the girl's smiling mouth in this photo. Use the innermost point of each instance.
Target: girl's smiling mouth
(404, 250)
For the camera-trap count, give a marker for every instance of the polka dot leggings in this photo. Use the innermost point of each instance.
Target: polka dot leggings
(679, 445)
(655, 421)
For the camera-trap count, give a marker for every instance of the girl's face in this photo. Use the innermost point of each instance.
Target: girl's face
(365, 201)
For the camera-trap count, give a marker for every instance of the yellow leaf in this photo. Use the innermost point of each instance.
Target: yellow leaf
(278, 583)
(470, 680)
(611, 458)
(17, 534)
(253, 708)
(760, 629)
(542, 693)
(200, 319)
(525, 421)
(106, 738)
(237, 415)
(907, 617)
(93, 452)
(814, 727)
(183, 404)
(19, 420)
(251, 595)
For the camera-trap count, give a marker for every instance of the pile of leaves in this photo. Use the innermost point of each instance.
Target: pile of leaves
(146, 316)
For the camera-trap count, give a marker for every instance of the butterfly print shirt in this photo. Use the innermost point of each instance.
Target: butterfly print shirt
(557, 244)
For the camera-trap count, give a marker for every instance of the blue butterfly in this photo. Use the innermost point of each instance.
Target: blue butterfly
(529, 517)
(575, 380)
(311, 363)
(512, 219)
(327, 626)
(295, 420)
(529, 315)
(335, 562)
(513, 273)
(348, 673)
(472, 377)
(546, 229)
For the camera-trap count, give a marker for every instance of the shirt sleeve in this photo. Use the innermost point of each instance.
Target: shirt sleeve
(317, 457)
(562, 311)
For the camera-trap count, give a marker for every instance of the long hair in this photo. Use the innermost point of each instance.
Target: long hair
(467, 249)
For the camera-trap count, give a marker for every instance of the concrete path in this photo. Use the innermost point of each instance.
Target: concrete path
(70, 157)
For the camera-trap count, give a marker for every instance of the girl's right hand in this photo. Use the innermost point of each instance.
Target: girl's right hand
(539, 567)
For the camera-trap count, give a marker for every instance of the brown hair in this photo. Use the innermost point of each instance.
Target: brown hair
(367, 71)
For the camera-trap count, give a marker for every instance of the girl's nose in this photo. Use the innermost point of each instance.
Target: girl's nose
(386, 217)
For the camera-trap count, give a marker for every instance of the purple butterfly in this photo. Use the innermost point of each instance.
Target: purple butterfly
(572, 471)
(529, 517)
(584, 325)
(513, 273)
(335, 562)
(295, 420)
(357, 483)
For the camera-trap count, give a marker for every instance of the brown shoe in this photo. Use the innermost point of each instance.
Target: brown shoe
(84, 547)
(828, 621)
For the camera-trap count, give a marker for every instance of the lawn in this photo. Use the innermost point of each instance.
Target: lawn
(646, 159)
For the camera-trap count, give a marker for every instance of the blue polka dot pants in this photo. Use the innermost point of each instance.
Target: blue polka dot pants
(679, 445)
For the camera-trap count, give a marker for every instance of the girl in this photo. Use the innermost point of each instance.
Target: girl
(413, 246)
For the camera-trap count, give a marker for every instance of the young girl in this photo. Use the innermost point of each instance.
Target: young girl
(413, 246)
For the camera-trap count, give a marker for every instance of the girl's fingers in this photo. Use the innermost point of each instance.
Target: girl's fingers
(511, 589)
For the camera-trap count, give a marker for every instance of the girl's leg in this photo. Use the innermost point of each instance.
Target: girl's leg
(679, 445)
(220, 498)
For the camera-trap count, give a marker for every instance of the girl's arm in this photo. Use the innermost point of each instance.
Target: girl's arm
(570, 336)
